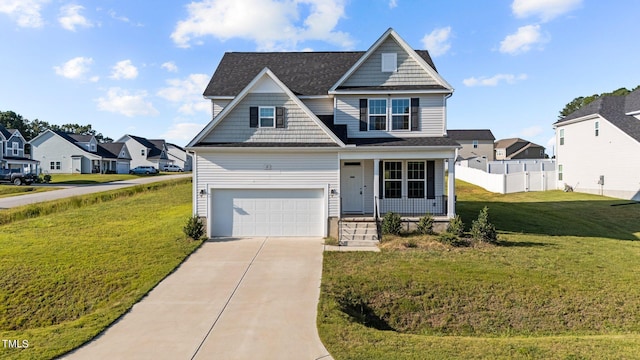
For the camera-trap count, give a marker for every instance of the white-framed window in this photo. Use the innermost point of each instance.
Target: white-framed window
(560, 172)
(93, 147)
(392, 179)
(389, 62)
(597, 128)
(16, 147)
(416, 179)
(267, 116)
(377, 114)
(142, 152)
(561, 136)
(475, 144)
(54, 165)
(400, 114)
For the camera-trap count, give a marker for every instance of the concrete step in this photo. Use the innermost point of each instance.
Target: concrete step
(362, 243)
(359, 233)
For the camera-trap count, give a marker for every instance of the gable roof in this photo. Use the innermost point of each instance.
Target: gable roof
(613, 109)
(112, 150)
(155, 146)
(304, 73)
(266, 72)
(427, 66)
(505, 143)
(472, 134)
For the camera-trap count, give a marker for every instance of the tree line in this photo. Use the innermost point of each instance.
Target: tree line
(32, 128)
(581, 101)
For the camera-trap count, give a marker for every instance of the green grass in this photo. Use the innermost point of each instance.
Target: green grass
(90, 178)
(12, 190)
(561, 284)
(65, 276)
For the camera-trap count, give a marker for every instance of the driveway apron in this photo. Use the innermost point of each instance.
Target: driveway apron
(253, 298)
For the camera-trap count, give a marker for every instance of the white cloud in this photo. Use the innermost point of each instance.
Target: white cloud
(393, 4)
(522, 40)
(25, 12)
(76, 69)
(545, 9)
(126, 103)
(271, 24)
(187, 92)
(124, 70)
(437, 42)
(494, 80)
(170, 66)
(182, 132)
(70, 17)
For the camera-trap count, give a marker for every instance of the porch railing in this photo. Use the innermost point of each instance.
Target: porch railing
(414, 207)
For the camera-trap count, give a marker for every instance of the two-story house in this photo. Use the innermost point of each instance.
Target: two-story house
(301, 140)
(518, 149)
(64, 153)
(475, 143)
(12, 152)
(597, 145)
(145, 152)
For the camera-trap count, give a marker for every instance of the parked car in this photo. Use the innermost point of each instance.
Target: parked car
(143, 170)
(172, 168)
(16, 177)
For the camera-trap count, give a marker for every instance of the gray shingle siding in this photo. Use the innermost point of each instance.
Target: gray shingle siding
(299, 127)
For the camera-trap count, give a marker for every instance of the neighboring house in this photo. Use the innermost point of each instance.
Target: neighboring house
(597, 145)
(12, 154)
(145, 152)
(65, 153)
(299, 140)
(516, 148)
(178, 156)
(475, 143)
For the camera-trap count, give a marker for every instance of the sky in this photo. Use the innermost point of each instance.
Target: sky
(140, 67)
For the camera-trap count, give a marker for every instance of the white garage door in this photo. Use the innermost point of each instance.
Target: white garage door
(290, 212)
(122, 167)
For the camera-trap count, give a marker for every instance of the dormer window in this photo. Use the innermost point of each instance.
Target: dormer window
(93, 147)
(389, 62)
(267, 116)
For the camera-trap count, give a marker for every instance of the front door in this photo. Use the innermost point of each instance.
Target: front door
(351, 185)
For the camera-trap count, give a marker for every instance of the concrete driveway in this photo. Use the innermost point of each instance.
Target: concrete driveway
(253, 298)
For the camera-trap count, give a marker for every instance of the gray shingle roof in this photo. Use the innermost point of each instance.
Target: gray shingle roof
(305, 73)
(613, 109)
(474, 134)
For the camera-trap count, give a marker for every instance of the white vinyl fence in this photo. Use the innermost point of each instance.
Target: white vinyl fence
(508, 183)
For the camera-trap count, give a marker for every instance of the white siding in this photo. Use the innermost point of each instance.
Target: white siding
(320, 106)
(585, 157)
(50, 148)
(299, 127)
(432, 116)
(219, 105)
(271, 170)
(409, 71)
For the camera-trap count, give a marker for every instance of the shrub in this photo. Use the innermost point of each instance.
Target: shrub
(411, 242)
(391, 223)
(456, 226)
(482, 229)
(425, 225)
(448, 238)
(194, 228)
(46, 178)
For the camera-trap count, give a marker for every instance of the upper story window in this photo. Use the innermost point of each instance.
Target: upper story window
(378, 114)
(267, 116)
(93, 147)
(561, 136)
(400, 114)
(475, 144)
(142, 152)
(16, 147)
(597, 128)
(389, 62)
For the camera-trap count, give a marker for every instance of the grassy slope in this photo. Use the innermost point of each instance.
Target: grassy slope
(89, 178)
(561, 285)
(12, 190)
(64, 277)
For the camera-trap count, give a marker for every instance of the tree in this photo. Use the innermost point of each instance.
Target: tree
(11, 120)
(31, 129)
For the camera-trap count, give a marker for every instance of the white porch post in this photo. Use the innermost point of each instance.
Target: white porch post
(451, 189)
(376, 184)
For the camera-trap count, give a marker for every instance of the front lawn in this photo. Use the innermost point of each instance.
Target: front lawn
(561, 284)
(64, 277)
(78, 179)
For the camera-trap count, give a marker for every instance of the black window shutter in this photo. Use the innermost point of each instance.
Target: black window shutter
(381, 179)
(280, 117)
(431, 179)
(363, 114)
(253, 117)
(415, 108)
